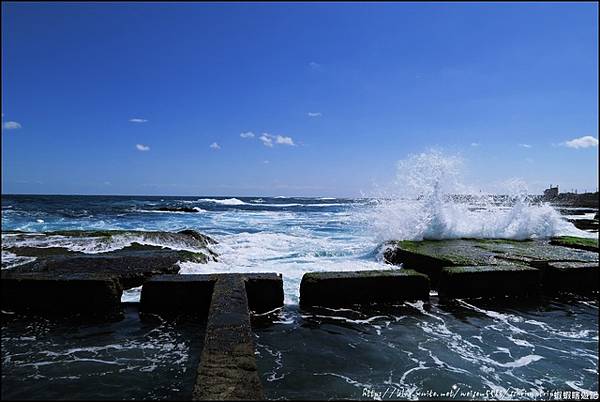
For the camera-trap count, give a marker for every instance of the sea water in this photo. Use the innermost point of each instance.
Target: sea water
(351, 353)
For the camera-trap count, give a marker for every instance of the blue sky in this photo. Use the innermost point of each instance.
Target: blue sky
(153, 98)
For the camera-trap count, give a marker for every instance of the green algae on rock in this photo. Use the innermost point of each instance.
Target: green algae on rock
(576, 242)
(131, 256)
(432, 256)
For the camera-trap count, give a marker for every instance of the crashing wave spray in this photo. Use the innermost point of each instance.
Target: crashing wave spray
(431, 202)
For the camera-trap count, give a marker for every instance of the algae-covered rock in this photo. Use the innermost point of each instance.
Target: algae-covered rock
(576, 242)
(130, 256)
(489, 281)
(430, 257)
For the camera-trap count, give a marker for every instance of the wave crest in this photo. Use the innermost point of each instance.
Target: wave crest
(227, 201)
(431, 202)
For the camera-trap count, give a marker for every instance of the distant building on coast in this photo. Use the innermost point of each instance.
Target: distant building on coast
(551, 192)
(572, 199)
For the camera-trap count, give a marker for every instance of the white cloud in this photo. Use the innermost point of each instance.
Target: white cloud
(215, 146)
(269, 140)
(474, 144)
(247, 134)
(314, 65)
(142, 147)
(314, 114)
(137, 120)
(11, 125)
(265, 162)
(582, 142)
(525, 145)
(284, 140)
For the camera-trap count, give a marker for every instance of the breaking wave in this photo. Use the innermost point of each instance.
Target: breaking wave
(432, 202)
(90, 242)
(227, 201)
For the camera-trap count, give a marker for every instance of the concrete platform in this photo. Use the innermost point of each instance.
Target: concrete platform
(570, 277)
(177, 294)
(227, 369)
(193, 293)
(264, 290)
(337, 289)
(88, 294)
(489, 281)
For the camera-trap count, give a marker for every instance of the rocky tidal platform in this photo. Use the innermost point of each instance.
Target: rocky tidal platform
(495, 267)
(132, 257)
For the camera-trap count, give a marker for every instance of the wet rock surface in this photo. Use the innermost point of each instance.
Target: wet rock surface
(89, 294)
(579, 277)
(576, 242)
(335, 289)
(432, 257)
(176, 209)
(585, 224)
(178, 293)
(131, 257)
(489, 281)
(228, 369)
(193, 292)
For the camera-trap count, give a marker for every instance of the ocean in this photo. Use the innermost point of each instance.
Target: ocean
(342, 353)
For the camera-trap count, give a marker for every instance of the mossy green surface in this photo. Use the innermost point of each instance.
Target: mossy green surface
(576, 242)
(459, 252)
(318, 276)
(471, 252)
(493, 268)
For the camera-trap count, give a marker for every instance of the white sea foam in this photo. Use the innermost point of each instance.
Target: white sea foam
(432, 202)
(10, 260)
(281, 205)
(101, 244)
(155, 211)
(227, 201)
(292, 253)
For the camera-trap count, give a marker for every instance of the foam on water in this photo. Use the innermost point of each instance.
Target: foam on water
(102, 244)
(10, 260)
(291, 254)
(430, 201)
(228, 201)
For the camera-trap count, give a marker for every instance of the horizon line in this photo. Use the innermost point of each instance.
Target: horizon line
(243, 196)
